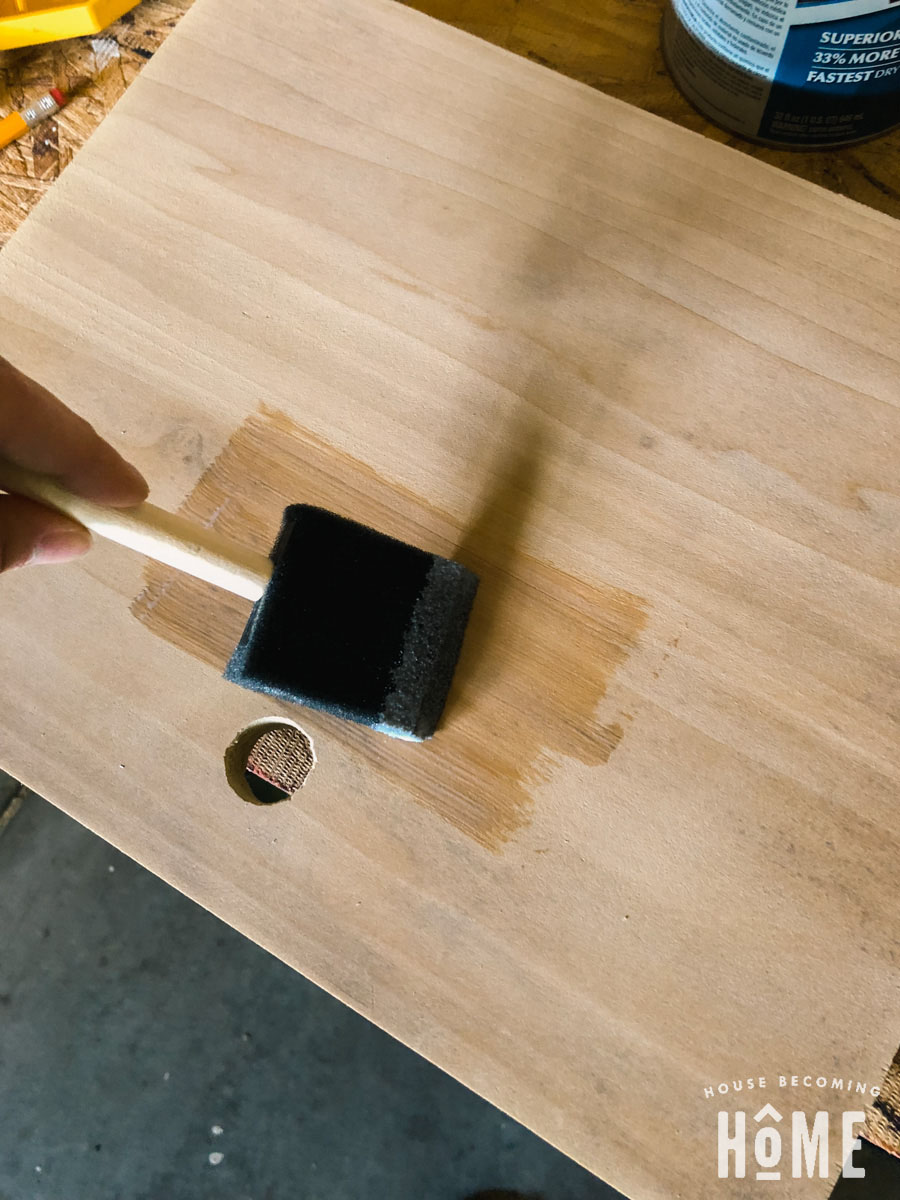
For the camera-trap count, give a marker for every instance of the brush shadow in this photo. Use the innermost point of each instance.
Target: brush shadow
(542, 644)
(491, 548)
(552, 639)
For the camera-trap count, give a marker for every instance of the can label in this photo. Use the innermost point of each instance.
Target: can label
(796, 72)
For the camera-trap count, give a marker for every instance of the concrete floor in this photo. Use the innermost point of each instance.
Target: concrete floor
(149, 1052)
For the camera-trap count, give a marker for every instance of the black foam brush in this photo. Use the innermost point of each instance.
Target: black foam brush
(356, 623)
(346, 619)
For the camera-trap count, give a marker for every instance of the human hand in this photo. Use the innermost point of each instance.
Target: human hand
(38, 431)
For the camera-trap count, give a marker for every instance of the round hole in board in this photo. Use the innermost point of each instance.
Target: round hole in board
(269, 761)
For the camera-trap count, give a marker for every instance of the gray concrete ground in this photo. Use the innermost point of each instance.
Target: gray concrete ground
(149, 1052)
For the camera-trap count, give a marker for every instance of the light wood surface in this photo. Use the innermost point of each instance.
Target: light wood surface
(612, 45)
(643, 383)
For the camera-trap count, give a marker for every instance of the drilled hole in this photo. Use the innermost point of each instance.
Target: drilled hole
(269, 761)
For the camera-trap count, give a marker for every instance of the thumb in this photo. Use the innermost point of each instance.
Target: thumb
(31, 534)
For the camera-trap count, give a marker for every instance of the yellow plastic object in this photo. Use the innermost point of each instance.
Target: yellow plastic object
(27, 22)
(12, 127)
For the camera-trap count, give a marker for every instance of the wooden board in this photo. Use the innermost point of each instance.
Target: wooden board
(648, 387)
(614, 45)
(611, 44)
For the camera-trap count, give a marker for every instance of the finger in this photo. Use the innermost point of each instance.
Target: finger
(31, 534)
(38, 431)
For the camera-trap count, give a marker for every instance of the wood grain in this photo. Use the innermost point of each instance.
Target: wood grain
(564, 637)
(612, 45)
(667, 373)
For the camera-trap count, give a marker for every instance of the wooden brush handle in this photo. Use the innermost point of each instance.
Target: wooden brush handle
(154, 532)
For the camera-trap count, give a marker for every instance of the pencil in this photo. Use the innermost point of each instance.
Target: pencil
(17, 124)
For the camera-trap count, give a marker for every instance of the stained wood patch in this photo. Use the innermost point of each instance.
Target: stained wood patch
(539, 652)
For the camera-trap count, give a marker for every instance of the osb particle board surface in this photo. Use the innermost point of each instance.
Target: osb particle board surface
(93, 72)
(648, 387)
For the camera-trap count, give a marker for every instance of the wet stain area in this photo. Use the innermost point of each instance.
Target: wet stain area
(540, 648)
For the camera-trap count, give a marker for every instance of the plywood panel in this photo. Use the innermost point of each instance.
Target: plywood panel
(614, 45)
(648, 387)
(611, 44)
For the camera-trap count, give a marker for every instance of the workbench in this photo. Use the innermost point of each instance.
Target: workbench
(646, 387)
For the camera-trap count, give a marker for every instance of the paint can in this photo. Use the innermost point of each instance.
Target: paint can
(795, 73)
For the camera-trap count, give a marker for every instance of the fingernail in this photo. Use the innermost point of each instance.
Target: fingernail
(60, 547)
(140, 483)
(130, 489)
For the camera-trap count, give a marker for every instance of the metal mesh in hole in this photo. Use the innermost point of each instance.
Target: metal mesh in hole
(883, 1115)
(282, 757)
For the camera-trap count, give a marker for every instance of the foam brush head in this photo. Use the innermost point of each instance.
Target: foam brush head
(357, 624)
